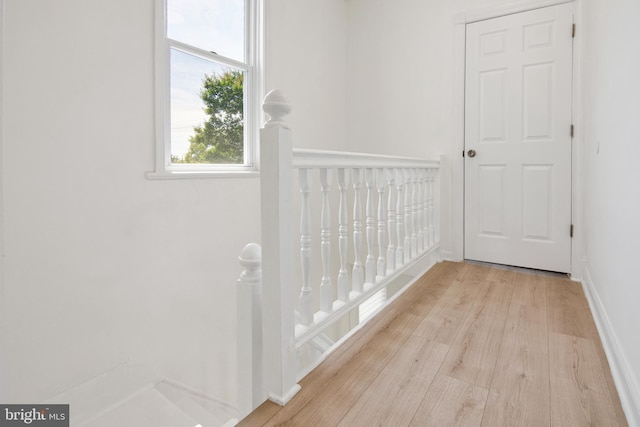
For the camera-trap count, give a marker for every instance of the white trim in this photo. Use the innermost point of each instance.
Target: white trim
(3, 384)
(578, 261)
(162, 108)
(253, 91)
(457, 161)
(282, 400)
(627, 386)
(491, 12)
(208, 56)
(257, 33)
(159, 176)
(446, 255)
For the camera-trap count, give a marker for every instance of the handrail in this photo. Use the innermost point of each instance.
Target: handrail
(310, 158)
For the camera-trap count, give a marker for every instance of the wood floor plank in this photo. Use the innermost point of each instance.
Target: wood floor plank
(432, 286)
(498, 297)
(327, 406)
(530, 291)
(419, 299)
(443, 322)
(395, 395)
(613, 392)
(474, 352)
(261, 415)
(501, 275)
(569, 314)
(568, 309)
(493, 373)
(519, 393)
(451, 402)
(333, 371)
(579, 393)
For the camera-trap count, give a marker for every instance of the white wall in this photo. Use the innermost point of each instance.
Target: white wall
(395, 80)
(306, 58)
(102, 265)
(2, 300)
(611, 66)
(400, 82)
(400, 74)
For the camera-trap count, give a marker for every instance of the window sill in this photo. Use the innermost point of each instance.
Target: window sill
(199, 174)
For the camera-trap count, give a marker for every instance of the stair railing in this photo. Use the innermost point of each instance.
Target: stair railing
(387, 225)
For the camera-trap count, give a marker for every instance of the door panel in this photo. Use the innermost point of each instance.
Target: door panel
(491, 182)
(517, 120)
(536, 202)
(537, 109)
(493, 98)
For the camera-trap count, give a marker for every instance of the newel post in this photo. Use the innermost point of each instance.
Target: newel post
(249, 322)
(276, 179)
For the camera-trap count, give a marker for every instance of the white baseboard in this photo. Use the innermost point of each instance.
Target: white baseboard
(447, 255)
(282, 400)
(626, 384)
(578, 268)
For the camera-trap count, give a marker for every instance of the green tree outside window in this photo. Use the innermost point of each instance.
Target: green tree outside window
(219, 140)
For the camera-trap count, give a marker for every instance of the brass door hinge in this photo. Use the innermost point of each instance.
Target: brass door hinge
(571, 131)
(573, 31)
(571, 231)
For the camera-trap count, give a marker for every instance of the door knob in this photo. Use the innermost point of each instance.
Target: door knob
(471, 153)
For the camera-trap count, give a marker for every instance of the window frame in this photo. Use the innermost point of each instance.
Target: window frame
(252, 88)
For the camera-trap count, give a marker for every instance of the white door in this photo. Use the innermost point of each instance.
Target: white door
(518, 139)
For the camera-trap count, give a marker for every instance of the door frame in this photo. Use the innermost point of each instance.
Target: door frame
(457, 161)
(3, 368)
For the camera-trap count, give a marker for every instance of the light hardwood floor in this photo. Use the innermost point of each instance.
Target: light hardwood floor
(468, 344)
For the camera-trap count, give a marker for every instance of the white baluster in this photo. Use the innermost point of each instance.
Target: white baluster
(420, 209)
(391, 219)
(357, 276)
(326, 287)
(343, 230)
(400, 260)
(306, 296)
(435, 206)
(426, 202)
(432, 203)
(429, 210)
(430, 195)
(369, 267)
(381, 183)
(414, 212)
(408, 219)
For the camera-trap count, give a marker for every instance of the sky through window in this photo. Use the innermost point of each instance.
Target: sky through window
(211, 25)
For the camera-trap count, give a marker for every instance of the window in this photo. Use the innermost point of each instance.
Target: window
(207, 89)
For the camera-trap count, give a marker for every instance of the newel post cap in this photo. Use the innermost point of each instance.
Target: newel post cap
(251, 257)
(277, 106)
